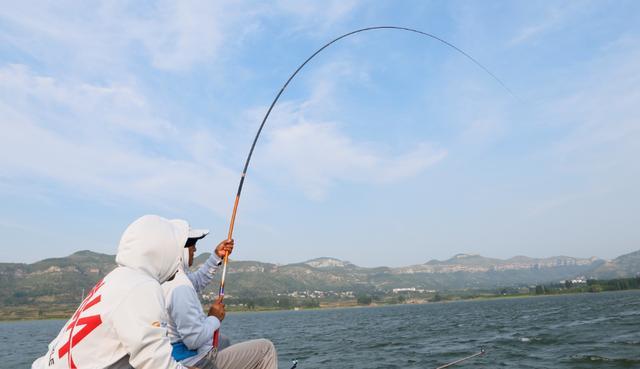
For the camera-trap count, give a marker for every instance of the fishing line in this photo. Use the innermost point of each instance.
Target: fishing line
(275, 100)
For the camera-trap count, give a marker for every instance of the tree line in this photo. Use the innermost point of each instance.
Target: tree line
(591, 285)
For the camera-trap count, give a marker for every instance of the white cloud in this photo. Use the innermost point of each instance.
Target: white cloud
(317, 15)
(116, 107)
(486, 126)
(316, 155)
(85, 121)
(174, 35)
(303, 145)
(601, 116)
(531, 31)
(598, 131)
(555, 17)
(79, 135)
(180, 34)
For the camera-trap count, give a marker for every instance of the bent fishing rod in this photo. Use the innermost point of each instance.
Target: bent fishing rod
(275, 100)
(480, 353)
(456, 362)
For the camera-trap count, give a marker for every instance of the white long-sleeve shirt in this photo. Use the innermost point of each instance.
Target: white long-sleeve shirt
(187, 322)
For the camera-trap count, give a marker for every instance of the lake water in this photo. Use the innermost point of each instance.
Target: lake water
(571, 331)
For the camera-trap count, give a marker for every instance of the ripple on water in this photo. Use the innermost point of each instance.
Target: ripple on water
(625, 362)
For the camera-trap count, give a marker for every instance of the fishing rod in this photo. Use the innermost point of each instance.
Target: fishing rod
(482, 352)
(275, 100)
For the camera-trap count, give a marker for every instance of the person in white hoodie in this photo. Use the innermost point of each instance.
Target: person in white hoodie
(122, 321)
(191, 331)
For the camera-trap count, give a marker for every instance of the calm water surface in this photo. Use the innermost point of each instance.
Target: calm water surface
(578, 331)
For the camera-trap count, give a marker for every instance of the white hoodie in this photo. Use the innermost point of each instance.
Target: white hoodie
(122, 322)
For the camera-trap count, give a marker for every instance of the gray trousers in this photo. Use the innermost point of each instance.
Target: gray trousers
(254, 354)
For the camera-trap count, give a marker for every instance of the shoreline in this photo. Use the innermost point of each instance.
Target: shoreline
(65, 314)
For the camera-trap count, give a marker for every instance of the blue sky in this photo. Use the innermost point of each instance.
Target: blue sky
(389, 149)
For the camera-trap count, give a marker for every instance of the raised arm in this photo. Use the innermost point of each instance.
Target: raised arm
(203, 276)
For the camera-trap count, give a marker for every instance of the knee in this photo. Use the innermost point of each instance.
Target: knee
(266, 345)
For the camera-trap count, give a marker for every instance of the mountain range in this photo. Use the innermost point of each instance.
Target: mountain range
(63, 280)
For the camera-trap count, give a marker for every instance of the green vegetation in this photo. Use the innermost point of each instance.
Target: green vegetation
(591, 285)
(364, 300)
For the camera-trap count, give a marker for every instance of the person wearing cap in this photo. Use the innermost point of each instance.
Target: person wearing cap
(191, 331)
(122, 321)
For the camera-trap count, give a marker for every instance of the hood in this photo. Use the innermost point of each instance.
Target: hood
(153, 245)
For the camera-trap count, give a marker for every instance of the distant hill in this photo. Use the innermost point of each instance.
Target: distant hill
(55, 280)
(62, 280)
(622, 266)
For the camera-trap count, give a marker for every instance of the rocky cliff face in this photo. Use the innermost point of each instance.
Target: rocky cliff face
(478, 264)
(62, 280)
